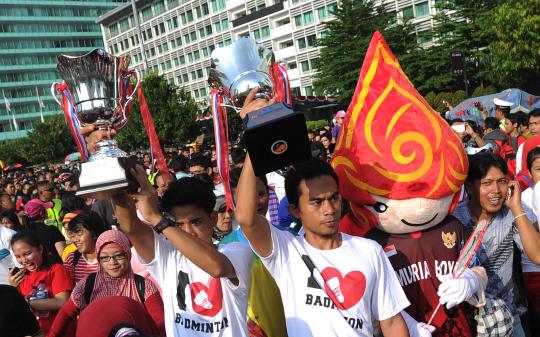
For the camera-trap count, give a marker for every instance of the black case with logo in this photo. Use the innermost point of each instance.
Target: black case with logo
(276, 137)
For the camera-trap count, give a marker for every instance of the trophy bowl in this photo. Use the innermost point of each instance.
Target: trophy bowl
(275, 136)
(95, 91)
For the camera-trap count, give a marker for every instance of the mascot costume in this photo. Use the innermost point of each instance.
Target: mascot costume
(402, 167)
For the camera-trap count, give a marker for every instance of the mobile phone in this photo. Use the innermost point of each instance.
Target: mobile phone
(15, 270)
(509, 193)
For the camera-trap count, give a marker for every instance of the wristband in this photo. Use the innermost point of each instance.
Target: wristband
(519, 215)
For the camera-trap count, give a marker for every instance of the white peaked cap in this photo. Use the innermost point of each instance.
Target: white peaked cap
(500, 102)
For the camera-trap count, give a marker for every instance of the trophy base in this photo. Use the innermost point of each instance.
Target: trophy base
(276, 137)
(104, 178)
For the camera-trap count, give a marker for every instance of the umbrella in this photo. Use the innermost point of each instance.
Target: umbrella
(72, 157)
(521, 101)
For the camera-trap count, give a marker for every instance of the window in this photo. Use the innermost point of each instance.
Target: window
(205, 51)
(292, 65)
(182, 59)
(183, 18)
(304, 65)
(186, 38)
(296, 91)
(189, 15)
(332, 9)
(185, 78)
(162, 28)
(205, 10)
(208, 30)
(301, 43)
(321, 13)
(421, 9)
(193, 36)
(298, 21)
(200, 73)
(196, 55)
(201, 33)
(217, 27)
(193, 75)
(311, 40)
(265, 31)
(228, 42)
(225, 24)
(113, 30)
(190, 57)
(308, 18)
(408, 13)
(158, 7)
(309, 90)
(257, 34)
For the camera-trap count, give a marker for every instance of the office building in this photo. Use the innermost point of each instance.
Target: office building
(32, 34)
(179, 35)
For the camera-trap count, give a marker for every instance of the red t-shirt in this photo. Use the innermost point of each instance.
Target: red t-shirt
(56, 280)
(418, 259)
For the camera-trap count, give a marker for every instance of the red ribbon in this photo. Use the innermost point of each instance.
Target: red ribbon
(221, 133)
(161, 163)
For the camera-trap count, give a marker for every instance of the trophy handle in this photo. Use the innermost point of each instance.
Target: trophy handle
(130, 97)
(54, 92)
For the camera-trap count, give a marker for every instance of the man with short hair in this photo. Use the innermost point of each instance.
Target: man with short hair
(332, 284)
(199, 164)
(534, 130)
(204, 288)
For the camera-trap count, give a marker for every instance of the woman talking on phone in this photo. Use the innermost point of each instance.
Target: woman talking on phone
(44, 282)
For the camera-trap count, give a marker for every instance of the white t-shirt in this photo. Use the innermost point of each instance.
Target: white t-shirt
(357, 275)
(7, 258)
(195, 303)
(527, 266)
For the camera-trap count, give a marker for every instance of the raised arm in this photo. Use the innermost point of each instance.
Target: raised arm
(201, 253)
(255, 227)
(530, 238)
(394, 327)
(139, 234)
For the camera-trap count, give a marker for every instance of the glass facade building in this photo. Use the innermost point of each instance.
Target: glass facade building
(32, 34)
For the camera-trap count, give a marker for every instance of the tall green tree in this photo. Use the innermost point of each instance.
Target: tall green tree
(345, 44)
(173, 112)
(516, 47)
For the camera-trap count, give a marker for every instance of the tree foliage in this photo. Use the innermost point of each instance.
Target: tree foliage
(48, 142)
(516, 47)
(173, 112)
(345, 45)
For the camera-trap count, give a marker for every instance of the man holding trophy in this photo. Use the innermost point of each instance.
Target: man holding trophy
(205, 288)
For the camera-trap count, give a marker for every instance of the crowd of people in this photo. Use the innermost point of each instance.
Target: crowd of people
(172, 259)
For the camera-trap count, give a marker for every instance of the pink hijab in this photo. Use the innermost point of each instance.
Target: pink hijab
(106, 285)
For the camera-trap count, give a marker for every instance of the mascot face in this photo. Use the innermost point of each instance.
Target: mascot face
(409, 215)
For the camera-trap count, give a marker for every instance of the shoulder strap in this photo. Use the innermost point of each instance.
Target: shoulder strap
(140, 282)
(89, 287)
(76, 256)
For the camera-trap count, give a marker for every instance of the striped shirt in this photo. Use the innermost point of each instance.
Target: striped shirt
(81, 269)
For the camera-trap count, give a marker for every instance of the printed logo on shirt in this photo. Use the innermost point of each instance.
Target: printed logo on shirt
(449, 239)
(205, 300)
(344, 291)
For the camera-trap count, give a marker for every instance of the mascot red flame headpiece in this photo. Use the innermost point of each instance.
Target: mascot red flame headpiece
(393, 144)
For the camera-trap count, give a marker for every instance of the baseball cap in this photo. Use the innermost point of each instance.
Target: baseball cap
(340, 114)
(35, 207)
(220, 203)
(69, 216)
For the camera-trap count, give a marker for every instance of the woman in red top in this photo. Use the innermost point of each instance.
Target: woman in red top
(43, 282)
(113, 278)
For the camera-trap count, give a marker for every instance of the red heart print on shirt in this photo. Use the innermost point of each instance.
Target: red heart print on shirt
(346, 291)
(207, 301)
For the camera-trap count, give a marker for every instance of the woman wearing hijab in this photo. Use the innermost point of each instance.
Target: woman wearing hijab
(113, 278)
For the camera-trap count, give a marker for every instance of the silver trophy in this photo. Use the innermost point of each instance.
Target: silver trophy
(96, 86)
(275, 136)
